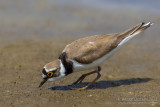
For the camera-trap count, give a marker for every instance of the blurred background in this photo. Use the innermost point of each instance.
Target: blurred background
(35, 19)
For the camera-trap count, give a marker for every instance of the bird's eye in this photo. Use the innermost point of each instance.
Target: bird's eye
(50, 74)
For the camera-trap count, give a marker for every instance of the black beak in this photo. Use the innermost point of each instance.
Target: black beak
(44, 80)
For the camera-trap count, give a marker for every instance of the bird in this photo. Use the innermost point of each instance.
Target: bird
(87, 54)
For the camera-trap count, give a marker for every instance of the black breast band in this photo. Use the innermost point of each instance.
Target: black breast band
(67, 64)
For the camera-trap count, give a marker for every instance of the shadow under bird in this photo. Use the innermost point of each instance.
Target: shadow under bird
(88, 53)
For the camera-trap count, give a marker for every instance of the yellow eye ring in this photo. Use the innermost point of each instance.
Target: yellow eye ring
(50, 74)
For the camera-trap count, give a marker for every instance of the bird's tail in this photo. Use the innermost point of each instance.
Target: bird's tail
(128, 34)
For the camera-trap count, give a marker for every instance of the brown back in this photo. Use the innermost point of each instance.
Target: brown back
(88, 49)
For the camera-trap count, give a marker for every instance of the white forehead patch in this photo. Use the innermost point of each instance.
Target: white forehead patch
(91, 43)
(48, 70)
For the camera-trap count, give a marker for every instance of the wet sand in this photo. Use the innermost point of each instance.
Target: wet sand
(131, 77)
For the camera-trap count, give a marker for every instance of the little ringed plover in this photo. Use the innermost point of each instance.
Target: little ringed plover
(88, 53)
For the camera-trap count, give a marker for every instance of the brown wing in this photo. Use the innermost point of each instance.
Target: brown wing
(93, 52)
(88, 49)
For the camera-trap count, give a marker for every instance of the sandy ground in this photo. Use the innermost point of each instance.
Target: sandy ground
(130, 77)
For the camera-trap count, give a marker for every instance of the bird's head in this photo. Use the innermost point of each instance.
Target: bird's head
(52, 71)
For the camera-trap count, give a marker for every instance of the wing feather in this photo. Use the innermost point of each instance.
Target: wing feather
(88, 49)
